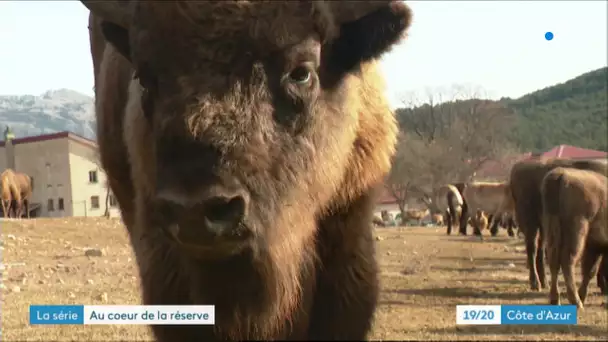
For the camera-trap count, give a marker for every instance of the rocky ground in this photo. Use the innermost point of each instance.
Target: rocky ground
(425, 274)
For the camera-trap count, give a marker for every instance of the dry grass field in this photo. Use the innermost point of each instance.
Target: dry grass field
(425, 274)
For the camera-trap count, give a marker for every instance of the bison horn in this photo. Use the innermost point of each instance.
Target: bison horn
(115, 11)
(347, 11)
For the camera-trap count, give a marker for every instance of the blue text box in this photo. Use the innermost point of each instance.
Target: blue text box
(538, 314)
(56, 314)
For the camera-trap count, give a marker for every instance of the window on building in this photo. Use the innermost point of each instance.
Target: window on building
(50, 205)
(94, 202)
(93, 176)
(113, 201)
(48, 172)
(60, 203)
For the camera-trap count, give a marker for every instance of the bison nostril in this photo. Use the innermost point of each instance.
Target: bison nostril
(216, 213)
(225, 211)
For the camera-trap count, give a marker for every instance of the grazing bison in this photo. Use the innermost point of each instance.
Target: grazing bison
(574, 225)
(244, 142)
(488, 197)
(525, 179)
(448, 200)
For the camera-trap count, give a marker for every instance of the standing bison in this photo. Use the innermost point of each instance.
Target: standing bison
(574, 224)
(488, 197)
(525, 180)
(245, 141)
(449, 201)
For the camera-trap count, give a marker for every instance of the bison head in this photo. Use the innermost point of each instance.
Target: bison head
(248, 121)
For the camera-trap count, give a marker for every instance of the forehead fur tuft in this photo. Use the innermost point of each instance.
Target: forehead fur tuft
(269, 23)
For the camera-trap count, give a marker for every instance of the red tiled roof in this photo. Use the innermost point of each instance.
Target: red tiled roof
(53, 136)
(494, 168)
(567, 151)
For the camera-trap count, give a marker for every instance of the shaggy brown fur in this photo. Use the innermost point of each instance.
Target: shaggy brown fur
(7, 188)
(282, 99)
(525, 179)
(575, 225)
(25, 186)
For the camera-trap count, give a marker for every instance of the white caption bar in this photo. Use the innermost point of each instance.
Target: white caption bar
(150, 314)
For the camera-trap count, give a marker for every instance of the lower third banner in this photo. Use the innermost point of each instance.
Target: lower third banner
(515, 314)
(123, 314)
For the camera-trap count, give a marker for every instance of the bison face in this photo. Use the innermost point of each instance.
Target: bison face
(247, 120)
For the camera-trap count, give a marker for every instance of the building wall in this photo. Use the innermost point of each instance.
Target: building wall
(2, 158)
(48, 165)
(83, 159)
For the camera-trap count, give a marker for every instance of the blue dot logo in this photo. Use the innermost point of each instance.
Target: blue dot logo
(549, 35)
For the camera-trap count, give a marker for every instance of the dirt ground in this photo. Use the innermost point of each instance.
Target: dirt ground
(425, 274)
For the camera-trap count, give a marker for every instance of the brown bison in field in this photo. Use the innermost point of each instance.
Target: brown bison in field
(488, 197)
(525, 179)
(463, 215)
(479, 221)
(244, 142)
(7, 185)
(449, 201)
(575, 225)
(16, 191)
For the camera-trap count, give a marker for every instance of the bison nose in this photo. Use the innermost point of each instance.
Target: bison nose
(215, 212)
(224, 213)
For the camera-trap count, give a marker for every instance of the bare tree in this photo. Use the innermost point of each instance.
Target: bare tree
(107, 210)
(446, 139)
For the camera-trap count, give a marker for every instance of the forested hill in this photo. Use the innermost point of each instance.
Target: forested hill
(573, 113)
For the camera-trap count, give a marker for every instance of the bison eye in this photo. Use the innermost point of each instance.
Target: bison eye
(300, 75)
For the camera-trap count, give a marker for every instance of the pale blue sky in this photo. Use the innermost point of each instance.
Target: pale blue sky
(498, 45)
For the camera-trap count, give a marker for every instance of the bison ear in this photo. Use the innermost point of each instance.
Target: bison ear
(117, 36)
(115, 18)
(368, 29)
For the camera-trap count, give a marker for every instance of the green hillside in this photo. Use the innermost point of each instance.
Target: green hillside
(573, 113)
